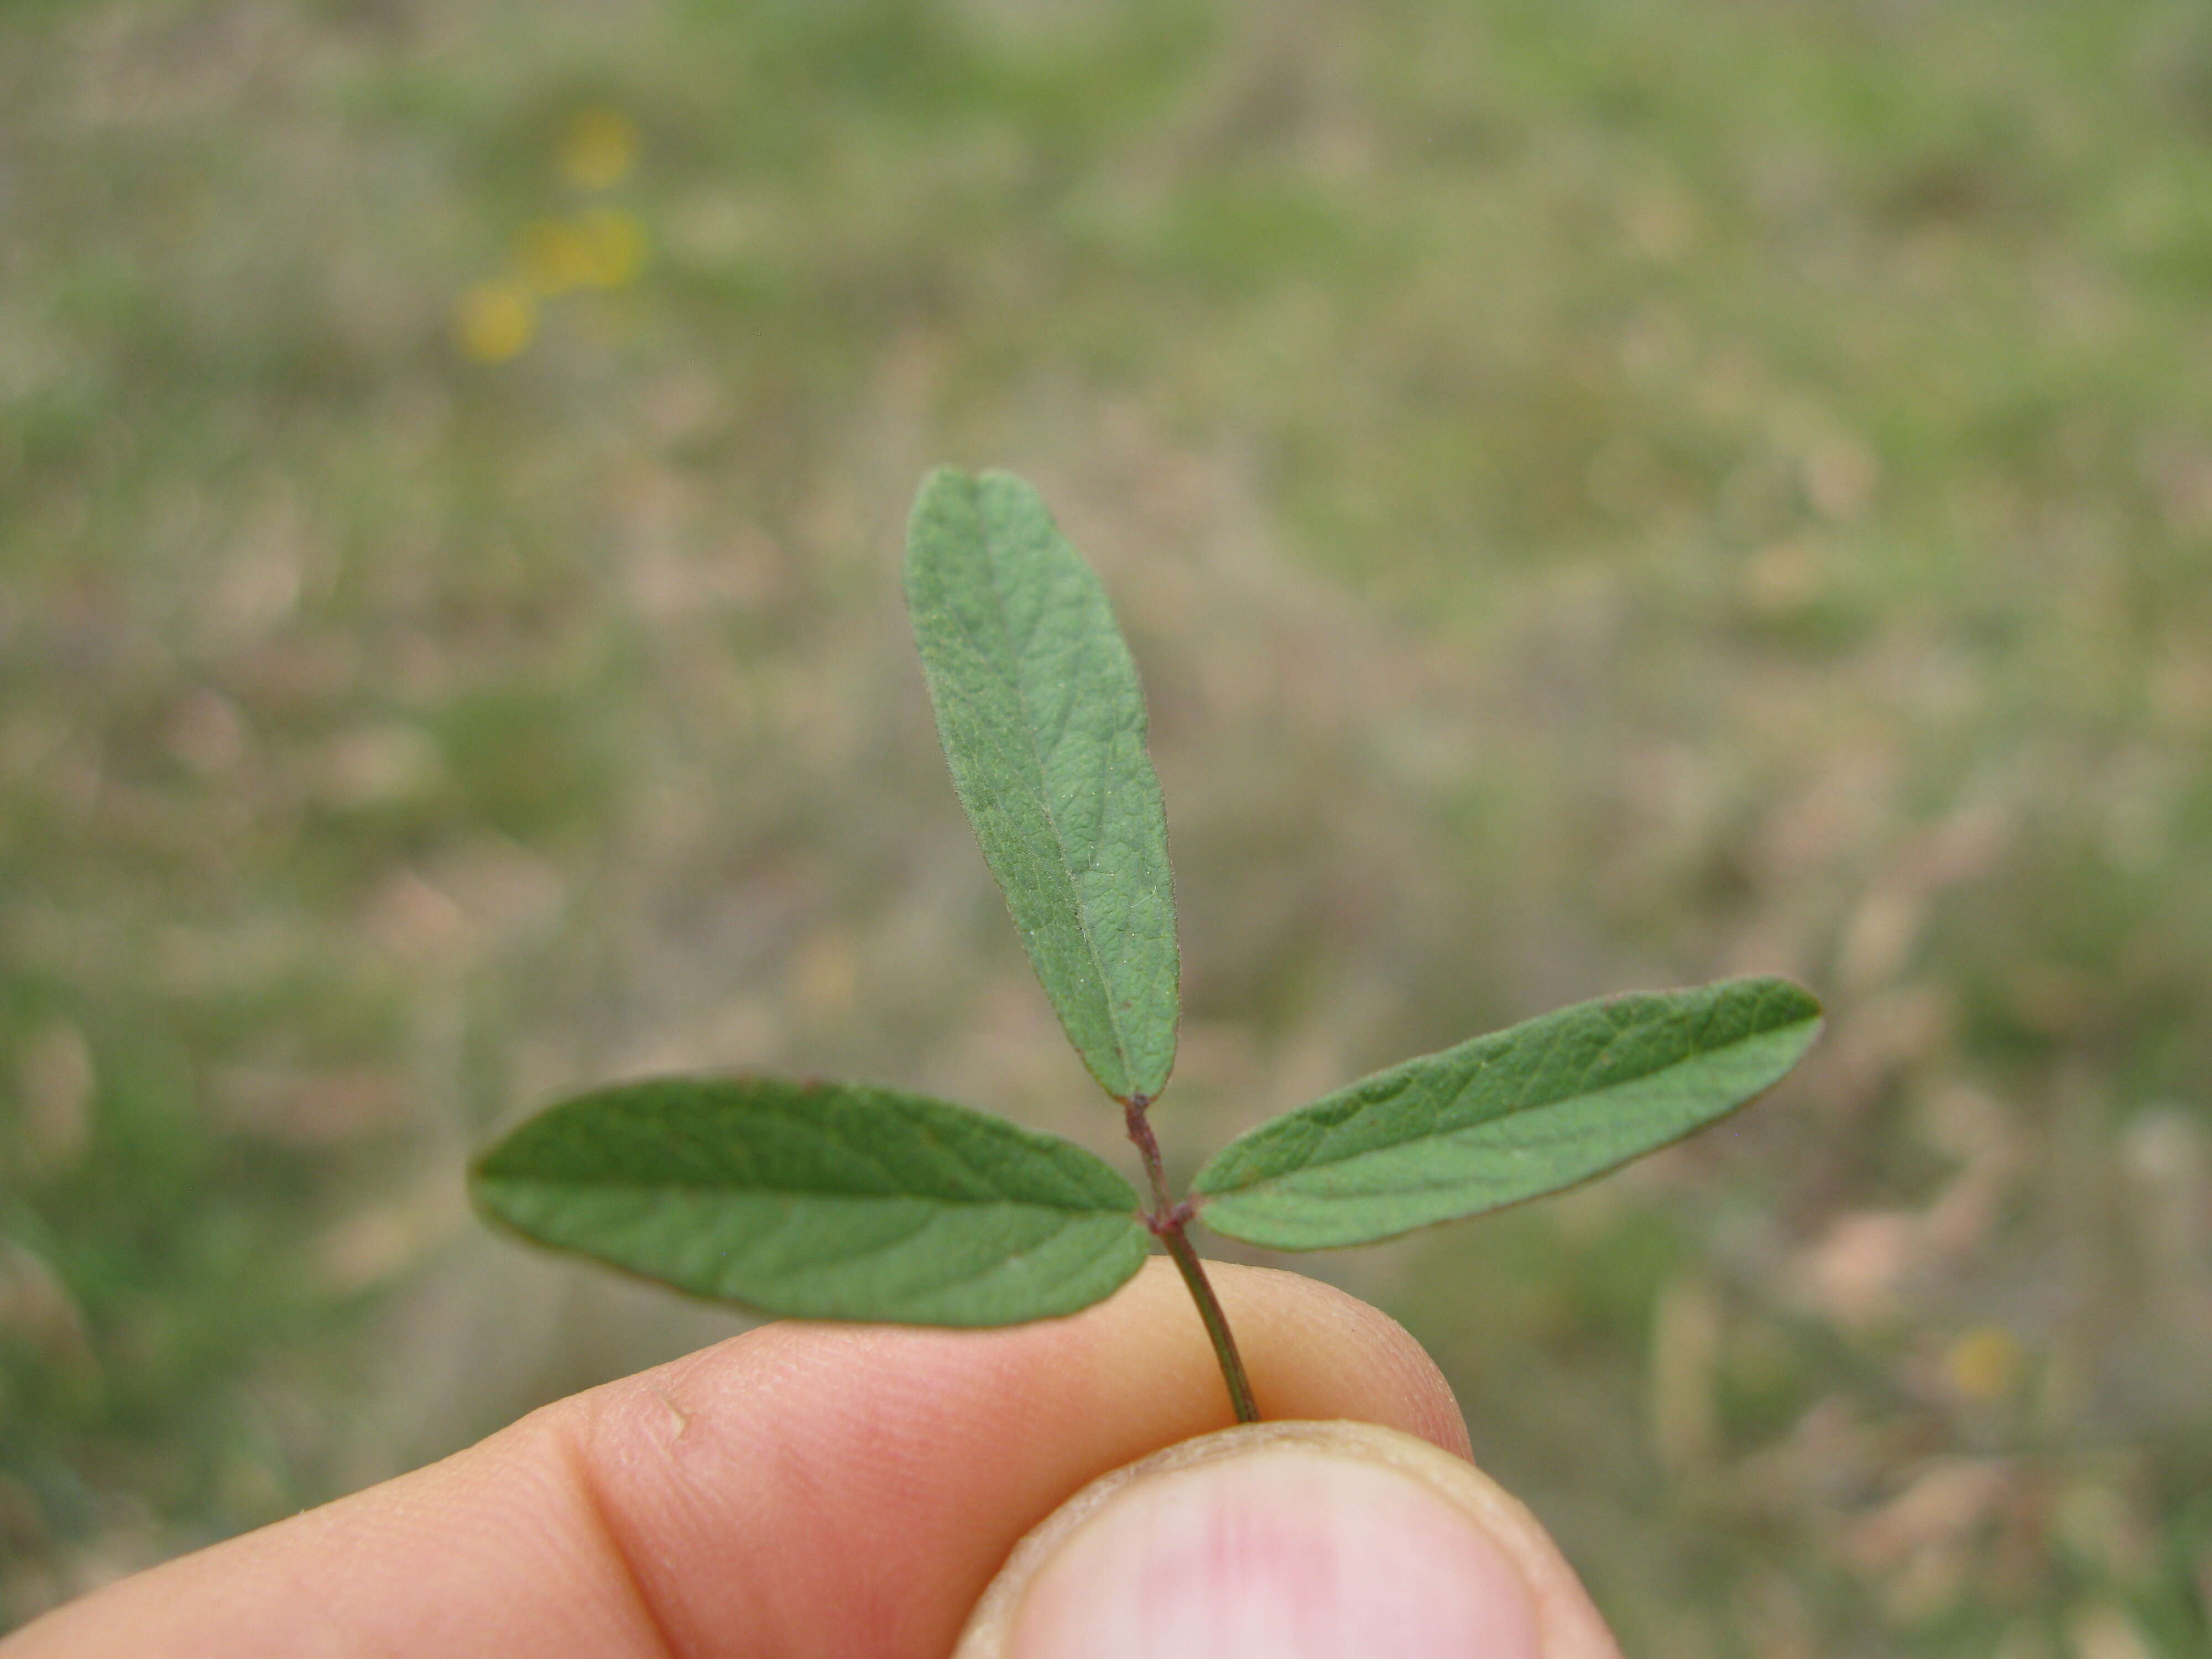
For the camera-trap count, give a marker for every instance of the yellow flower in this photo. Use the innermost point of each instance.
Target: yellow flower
(598, 148)
(615, 241)
(1982, 1363)
(555, 255)
(492, 321)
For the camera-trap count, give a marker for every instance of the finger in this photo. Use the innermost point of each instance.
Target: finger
(1290, 1540)
(802, 1490)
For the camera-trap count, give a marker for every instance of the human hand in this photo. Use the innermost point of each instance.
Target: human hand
(834, 1490)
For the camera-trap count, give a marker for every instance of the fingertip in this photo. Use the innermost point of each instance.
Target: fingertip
(1291, 1541)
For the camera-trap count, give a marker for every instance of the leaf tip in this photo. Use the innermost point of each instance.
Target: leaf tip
(941, 488)
(946, 492)
(941, 479)
(1794, 1004)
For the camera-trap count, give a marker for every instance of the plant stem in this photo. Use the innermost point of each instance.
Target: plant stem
(1167, 1221)
(1134, 1114)
(1217, 1323)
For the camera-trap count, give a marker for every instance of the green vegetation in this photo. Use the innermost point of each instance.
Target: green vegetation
(826, 1200)
(1506, 1117)
(1043, 726)
(849, 1201)
(1605, 494)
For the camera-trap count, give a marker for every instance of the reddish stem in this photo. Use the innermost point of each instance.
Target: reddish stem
(1167, 1220)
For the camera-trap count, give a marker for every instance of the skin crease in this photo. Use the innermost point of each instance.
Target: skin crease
(804, 1489)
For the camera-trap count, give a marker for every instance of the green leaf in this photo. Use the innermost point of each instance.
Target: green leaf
(1044, 725)
(822, 1200)
(1509, 1116)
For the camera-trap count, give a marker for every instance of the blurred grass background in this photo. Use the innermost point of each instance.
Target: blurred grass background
(1602, 495)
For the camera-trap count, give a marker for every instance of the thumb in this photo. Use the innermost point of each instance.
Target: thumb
(1290, 1540)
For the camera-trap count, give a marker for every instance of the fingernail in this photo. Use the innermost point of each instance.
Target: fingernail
(1285, 1551)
